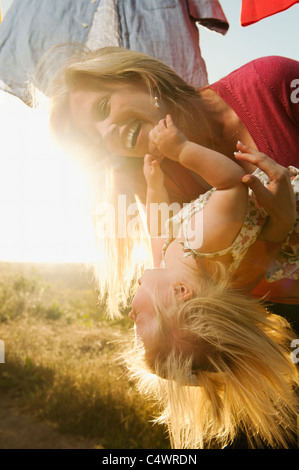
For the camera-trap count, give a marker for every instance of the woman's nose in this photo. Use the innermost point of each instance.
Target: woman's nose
(108, 132)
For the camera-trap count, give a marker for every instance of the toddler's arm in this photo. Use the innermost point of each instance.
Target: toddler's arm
(156, 192)
(156, 197)
(224, 213)
(216, 169)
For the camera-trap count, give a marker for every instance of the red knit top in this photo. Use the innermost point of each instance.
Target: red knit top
(265, 96)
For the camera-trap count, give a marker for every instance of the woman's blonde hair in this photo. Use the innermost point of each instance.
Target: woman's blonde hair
(113, 64)
(119, 260)
(219, 365)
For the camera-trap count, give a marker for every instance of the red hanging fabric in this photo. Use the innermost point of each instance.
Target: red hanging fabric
(255, 10)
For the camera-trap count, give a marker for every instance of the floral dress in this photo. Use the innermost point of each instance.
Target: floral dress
(286, 264)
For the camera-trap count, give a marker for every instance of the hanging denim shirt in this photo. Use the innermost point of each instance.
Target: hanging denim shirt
(165, 29)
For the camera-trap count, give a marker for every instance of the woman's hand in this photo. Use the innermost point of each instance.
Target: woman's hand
(153, 174)
(278, 198)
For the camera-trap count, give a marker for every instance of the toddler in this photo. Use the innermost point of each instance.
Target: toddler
(218, 360)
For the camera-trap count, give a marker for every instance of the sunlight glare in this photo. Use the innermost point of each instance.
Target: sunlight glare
(44, 198)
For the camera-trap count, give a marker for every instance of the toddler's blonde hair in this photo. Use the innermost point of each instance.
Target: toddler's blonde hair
(219, 365)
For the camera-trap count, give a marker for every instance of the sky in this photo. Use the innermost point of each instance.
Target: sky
(43, 214)
(275, 35)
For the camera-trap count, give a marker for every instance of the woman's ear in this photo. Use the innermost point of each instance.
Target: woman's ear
(182, 291)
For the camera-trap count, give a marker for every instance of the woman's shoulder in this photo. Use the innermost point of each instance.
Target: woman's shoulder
(276, 68)
(268, 68)
(271, 80)
(274, 61)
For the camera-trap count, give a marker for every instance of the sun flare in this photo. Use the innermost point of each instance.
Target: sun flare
(44, 197)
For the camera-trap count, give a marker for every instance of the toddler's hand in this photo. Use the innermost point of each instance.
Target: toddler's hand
(152, 171)
(167, 138)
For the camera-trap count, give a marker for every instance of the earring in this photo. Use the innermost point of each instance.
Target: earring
(157, 103)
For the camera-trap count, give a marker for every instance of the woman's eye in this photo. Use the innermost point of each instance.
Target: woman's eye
(103, 110)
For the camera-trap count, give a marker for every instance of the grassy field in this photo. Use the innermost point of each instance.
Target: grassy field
(61, 358)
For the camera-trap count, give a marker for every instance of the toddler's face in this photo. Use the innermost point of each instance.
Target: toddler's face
(159, 280)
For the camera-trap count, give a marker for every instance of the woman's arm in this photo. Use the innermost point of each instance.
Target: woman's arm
(279, 201)
(278, 198)
(255, 264)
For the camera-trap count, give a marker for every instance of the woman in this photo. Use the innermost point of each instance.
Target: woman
(113, 98)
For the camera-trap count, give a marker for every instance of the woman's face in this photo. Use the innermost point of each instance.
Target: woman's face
(117, 115)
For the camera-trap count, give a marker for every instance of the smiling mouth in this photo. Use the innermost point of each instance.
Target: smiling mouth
(132, 135)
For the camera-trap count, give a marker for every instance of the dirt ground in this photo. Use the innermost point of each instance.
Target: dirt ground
(21, 431)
